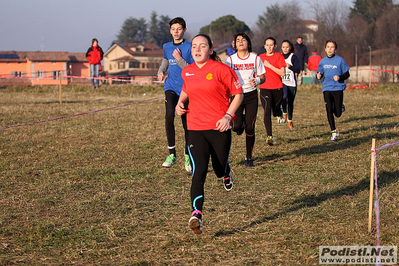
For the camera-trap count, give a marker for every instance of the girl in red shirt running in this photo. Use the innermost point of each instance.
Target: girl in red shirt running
(208, 84)
(271, 91)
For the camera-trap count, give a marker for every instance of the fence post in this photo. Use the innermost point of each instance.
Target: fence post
(59, 86)
(371, 184)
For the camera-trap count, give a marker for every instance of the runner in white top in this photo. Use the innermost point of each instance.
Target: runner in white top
(289, 82)
(250, 71)
(289, 78)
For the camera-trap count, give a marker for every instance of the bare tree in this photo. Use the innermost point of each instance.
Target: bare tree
(388, 28)
(280, 21)
(332, 16)
(357, 39)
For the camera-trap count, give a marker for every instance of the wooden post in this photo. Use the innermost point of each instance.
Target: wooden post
(371, 184)
(59, 86)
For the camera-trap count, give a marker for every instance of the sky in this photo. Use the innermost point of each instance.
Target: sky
(69, 25)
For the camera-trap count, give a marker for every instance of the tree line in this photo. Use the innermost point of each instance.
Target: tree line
(367, 26)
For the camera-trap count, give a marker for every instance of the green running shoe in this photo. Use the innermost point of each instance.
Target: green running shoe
(170, 160)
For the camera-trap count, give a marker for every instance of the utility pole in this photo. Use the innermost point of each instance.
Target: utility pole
(370, 68)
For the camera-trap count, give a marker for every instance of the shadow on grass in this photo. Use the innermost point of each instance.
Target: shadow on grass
(385, 179)
(378, 127)
(382, 116)
(331, 146)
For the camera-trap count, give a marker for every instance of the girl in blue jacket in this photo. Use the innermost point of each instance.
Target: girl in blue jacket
(335, 71)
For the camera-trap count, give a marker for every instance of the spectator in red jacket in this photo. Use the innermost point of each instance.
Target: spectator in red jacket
(94, 54)
(313, 65)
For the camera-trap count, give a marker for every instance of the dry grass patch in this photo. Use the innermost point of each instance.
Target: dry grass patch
(91, 190)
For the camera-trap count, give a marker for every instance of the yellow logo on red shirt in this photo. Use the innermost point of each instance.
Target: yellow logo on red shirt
(209, 76)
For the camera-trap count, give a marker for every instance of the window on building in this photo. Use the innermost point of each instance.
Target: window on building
(121, 65)
(110, 66)
(133, 64)
(40, 74)
(54, 75)
(18, 74)
(153, 65)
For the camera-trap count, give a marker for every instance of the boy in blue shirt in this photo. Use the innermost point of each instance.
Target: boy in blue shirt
(335, 71)
(176, 56)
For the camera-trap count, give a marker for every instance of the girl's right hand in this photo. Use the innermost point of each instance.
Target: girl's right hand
(160, 76)
(267, 64)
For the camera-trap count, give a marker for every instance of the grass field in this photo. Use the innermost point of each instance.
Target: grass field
(90, 189)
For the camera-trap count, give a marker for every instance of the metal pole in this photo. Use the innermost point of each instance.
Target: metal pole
(370, 68)
(357, 66)
(60, 86)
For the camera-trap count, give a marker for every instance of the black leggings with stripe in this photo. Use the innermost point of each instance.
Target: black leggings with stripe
(201, 146)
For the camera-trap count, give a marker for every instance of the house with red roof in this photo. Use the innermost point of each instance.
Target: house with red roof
(133, 61)
(42, 68)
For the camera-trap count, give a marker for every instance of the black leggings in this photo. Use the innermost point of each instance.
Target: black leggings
(271, 101)
(202, 145)
(250, 106)
(333, 101)
(288, 100)
(171, 99)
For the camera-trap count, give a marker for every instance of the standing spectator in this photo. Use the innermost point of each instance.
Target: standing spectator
(231, 49)
(176, 55)
(94, 54)
(271, 91)
(251, 72)
(301, 51)
(335, 71)
(313, 65)
(208, 85)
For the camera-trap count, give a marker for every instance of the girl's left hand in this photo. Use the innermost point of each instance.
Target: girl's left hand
(223, 124)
